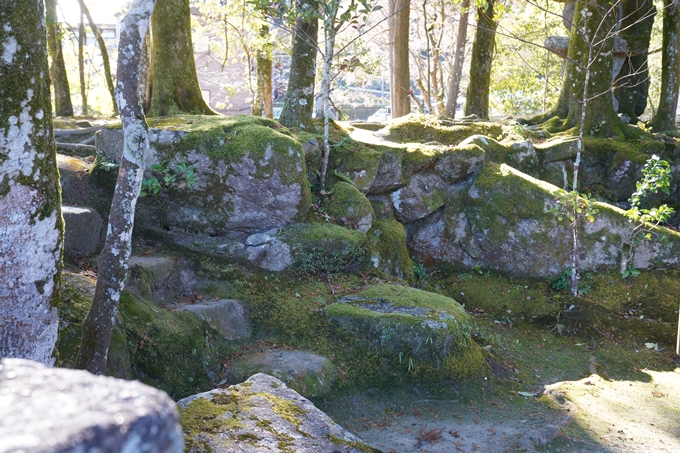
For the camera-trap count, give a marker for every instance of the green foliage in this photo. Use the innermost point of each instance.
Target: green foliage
(572, 205)
(656, 176)
(181, 176)
(418, 267)
(561, 282)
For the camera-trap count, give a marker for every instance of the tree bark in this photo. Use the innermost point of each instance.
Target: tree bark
(590, 52)
(31, 227)
(113, 261)
(81, 64)
(664, 120)
(174, 83)
(477, 97)
(62, 94)
(632, 85)
(263, 100)
(104, 53)
(458, 58)
(401, 100)
(298, 101)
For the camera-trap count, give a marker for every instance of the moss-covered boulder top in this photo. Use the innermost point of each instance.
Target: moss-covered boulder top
(427, 128)
(410, 327)
(249, 173)
(261, 415)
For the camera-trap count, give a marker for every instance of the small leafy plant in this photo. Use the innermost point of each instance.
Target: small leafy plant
(165, 177)
(656, 176)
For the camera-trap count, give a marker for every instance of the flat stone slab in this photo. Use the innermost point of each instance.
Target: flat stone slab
(229, 317)
(55, 410)
(309, 374)
(82, 231)
(262, 415)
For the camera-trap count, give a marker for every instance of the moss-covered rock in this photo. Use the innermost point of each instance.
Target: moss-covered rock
(426, 128)
(250, 173)
(503, 222)
(309, 374)
(77, 292)
(520, 155)
(458, 163)
(319, 248)
(261, 415)
(350, 207)
(388, 240)
(411, 328)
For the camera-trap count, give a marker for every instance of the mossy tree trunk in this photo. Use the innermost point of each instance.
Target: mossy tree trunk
(458, 57)
(263, 97)
(81, 64)
(298, 101)
(477, 97)
(174, 83)
(31, 227)
(664, 120)
(62, 93)
(590, 59)
(632, 84)
(401, 78)
(112, 266)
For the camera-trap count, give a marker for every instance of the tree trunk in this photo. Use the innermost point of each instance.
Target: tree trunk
(590, 52)
(104, 53)
(174, 83)
(401, 100)
(329, 32)
(31, 227)
(98, 324)
(62, 94)
(632, 84)
(458, 58)
(81, 64)
(477, 97)
(298, 101)
(263, 99)
(664, 120)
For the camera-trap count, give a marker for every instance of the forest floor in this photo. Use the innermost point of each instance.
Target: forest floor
(608, 389)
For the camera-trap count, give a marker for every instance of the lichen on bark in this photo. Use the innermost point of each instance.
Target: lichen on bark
(31, 226)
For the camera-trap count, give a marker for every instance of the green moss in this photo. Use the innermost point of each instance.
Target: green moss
(416, 158)
(388, 239)
(77, 292)
(362, 447)
(325, 248)
(174, 351)
(426, 128)
(285, 409)
(349, 206)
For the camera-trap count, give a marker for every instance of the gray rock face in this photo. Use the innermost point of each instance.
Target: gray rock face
(147, 274)
(309, 374)
(263, 415)
(422, 196)
(249, 177)
(58, 411)
(268, 251)
(229, 317)
(389, 176)
(82, 231)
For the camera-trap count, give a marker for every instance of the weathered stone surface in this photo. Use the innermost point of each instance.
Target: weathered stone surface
(349, 207)
(416, 128)
(424, 194)
(503, 222)
(408, 325)
(387, 240)
(229, 317)
(82, 231)
(313, 247)
(147, 274)
(262, 415)
(309, 374)
(520, 155)
(56, 410)
(389, 175)
(557, 149)
(460, 162)
(250, 174)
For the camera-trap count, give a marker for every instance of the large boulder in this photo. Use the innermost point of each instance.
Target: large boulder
(411, 329)
(67, 411)
(387, 240)
(82, 231)
(348, 206)
(416, 128)
(229, 317)
(250, 174)
(502, 222)
(313, 247)
(309, 374)
(261, 415)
